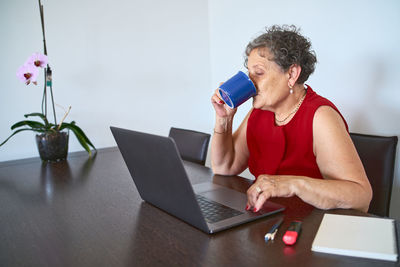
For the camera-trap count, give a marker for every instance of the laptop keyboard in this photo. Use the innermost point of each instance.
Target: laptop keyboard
(214, 211)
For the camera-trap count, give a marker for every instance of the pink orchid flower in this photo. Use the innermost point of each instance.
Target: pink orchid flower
(28, 73)
(37, 59)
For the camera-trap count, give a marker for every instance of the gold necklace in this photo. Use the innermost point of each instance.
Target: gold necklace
(293, 111)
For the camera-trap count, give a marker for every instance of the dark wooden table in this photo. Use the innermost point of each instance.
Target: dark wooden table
(87, 212)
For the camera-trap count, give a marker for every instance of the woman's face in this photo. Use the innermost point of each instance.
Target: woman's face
(271, 82)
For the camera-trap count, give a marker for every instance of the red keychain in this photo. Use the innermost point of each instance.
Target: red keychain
(290, 237)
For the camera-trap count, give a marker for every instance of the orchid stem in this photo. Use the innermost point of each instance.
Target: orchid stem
(42, 21)
(48, 69)
(58, 128)
(52, 101)
(49, 82)
(44, 94)
(44, 99)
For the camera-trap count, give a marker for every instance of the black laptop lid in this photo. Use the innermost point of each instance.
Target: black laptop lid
(158, 173)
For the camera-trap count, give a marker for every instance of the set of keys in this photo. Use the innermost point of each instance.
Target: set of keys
(290, 236)
(271, 234)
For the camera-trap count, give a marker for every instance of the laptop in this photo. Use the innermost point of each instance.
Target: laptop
(161, 180)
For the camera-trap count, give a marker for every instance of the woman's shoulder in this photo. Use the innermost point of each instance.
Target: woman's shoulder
(315, 100)
(322, 109)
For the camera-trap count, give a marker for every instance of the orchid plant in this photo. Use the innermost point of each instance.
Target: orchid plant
(28, 73)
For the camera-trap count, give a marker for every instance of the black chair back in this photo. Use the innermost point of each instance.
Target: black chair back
(378, 154)
(192, 145)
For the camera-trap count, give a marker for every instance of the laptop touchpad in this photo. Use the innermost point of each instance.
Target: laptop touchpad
(227, 197)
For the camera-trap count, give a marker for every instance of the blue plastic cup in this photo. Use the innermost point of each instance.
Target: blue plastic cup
(237, 90)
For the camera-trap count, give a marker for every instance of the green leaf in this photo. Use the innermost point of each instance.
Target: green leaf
(14, 133)
(80, 135)
(81, 140)
(79, 130)
(38, 114)
(36, 126)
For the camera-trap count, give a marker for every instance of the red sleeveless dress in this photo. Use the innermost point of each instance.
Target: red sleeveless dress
(286, 149)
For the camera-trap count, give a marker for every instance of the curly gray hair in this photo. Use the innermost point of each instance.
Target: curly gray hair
(287, 47)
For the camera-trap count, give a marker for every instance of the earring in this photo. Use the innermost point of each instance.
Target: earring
(291, 88)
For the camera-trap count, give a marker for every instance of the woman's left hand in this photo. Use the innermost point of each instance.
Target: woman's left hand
(267, 186)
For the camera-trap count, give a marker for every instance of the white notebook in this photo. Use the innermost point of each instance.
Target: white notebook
(356, 236)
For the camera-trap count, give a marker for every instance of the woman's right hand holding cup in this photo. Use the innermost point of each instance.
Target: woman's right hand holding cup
(221, 109)
(232, 93)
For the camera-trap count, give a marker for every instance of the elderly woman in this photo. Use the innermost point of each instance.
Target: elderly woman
(295, 142)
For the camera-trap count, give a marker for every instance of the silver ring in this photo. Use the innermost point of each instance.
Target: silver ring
(258, 189)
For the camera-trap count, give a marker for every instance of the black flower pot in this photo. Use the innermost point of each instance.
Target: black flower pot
(53, 146)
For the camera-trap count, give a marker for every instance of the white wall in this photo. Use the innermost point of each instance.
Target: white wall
(137, 64)
(150, 65)
(356, 43)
